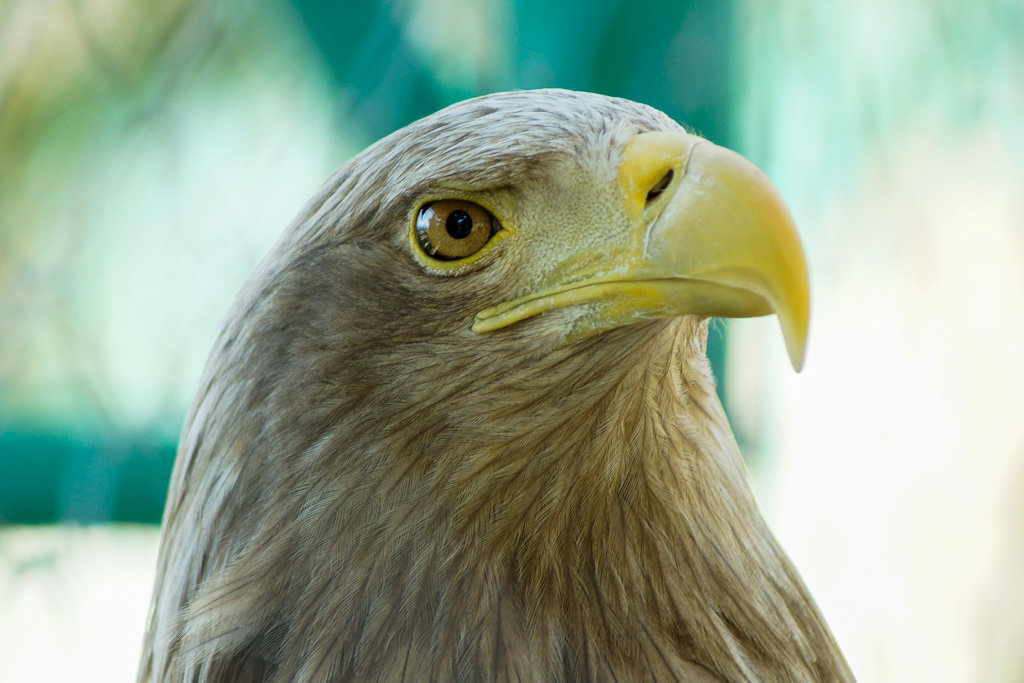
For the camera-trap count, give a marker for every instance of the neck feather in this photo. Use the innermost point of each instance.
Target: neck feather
(584, 512)
(634, 488)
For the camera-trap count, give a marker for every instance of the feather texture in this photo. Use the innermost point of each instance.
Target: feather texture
(367, 489)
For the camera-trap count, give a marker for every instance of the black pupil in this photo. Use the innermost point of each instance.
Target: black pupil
(459, 224)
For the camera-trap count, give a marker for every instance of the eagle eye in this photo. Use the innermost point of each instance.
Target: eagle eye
(452, 229)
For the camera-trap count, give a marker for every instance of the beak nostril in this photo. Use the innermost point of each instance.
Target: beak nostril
(660, 186)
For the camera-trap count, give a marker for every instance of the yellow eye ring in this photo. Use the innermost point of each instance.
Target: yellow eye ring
(453, 229)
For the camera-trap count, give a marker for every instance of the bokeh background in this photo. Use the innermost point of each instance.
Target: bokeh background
(150, 153)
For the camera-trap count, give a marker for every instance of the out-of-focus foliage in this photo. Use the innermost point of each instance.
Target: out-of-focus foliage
(399, 61)
(126, 180)
(825, 85)
(147, 158)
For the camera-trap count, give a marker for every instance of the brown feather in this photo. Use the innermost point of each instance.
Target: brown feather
(367, 489)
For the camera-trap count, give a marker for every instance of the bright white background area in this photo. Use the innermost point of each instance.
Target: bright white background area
(74, 602)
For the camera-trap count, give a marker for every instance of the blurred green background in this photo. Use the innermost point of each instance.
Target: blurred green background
(150, 153)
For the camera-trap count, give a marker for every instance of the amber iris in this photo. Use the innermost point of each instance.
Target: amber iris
(452, 229)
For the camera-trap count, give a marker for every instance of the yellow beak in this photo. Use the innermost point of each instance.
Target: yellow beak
(710, 236)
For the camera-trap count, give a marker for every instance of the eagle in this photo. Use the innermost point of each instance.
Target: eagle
(460, 424)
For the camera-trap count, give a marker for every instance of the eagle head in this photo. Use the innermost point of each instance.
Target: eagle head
(460, 423)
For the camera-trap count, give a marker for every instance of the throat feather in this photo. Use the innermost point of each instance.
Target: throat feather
(627, 511)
